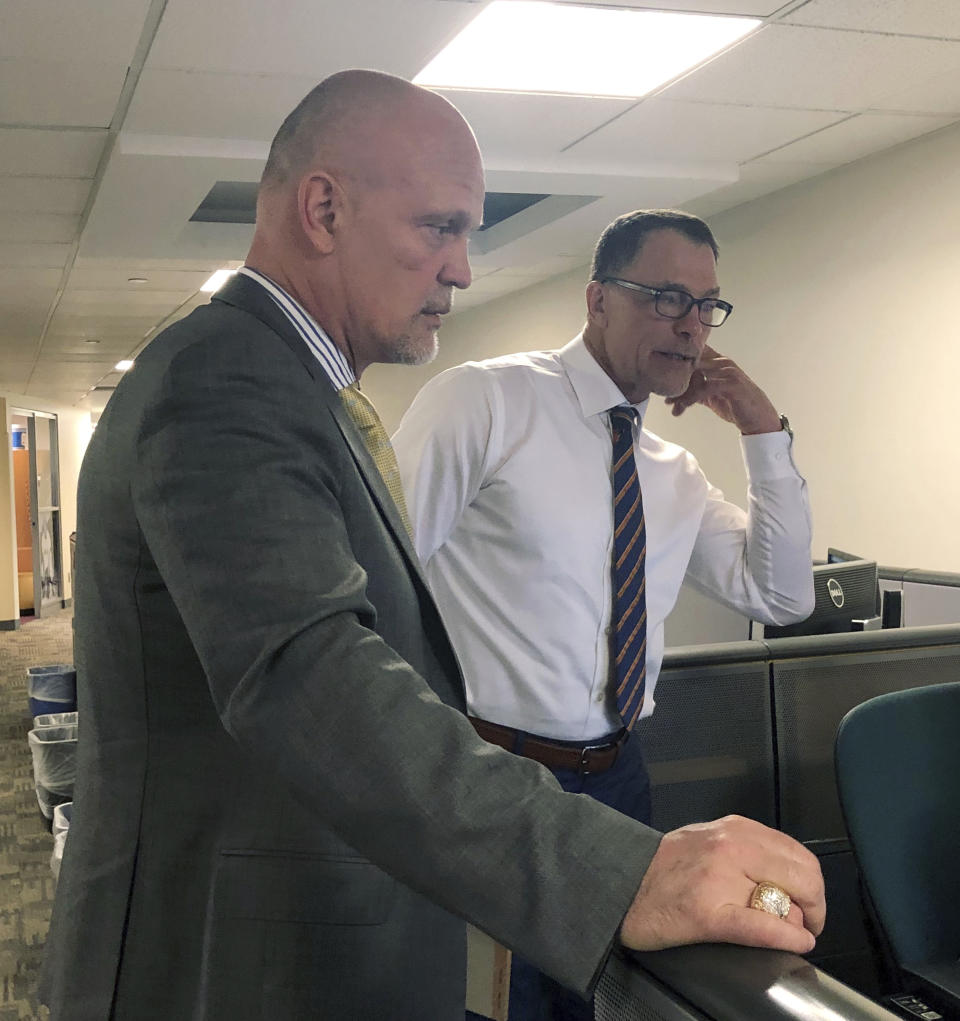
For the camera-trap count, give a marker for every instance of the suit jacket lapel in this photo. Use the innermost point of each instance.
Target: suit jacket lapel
(248, 295)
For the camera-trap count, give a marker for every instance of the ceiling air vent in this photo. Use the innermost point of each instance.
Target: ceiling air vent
(228, 202)
(507, 216)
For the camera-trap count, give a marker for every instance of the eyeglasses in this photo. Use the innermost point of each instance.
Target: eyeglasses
(676, 304)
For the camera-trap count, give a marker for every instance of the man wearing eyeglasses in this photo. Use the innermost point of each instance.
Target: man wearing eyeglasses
(555, 562)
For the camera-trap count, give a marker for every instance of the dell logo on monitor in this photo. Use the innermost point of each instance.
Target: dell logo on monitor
(835, 591)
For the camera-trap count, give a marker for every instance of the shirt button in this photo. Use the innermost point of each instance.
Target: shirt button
(608, 631)
(599, 698)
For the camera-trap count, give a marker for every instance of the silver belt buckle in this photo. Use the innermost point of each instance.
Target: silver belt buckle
(582, 765)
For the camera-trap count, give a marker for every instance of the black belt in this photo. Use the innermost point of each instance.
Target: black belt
(586, 758)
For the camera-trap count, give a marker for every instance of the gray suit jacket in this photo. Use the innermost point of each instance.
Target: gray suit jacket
(280, 809)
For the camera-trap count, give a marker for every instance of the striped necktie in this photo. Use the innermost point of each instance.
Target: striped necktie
(629, 580)
(366, 419)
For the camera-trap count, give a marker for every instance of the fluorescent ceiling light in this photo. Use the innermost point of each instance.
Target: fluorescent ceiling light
(124, 365)
(217, 280)
(532, 46)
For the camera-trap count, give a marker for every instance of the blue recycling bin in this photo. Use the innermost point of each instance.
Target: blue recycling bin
(52, 689)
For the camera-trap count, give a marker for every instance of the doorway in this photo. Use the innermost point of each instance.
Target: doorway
(36, 475)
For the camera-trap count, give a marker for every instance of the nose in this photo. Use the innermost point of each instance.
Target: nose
(455, 271)
(690, 324)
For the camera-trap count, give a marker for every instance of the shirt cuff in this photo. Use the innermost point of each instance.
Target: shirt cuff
(768, 456)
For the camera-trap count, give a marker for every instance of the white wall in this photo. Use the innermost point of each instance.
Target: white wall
(846, 294)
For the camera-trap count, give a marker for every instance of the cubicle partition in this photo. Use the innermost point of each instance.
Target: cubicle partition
(749, 728)
(709, 745)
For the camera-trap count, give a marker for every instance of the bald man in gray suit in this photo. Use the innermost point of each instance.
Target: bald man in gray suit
(281, 809)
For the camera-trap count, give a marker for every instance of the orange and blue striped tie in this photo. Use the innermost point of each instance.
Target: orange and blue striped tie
(629, 579)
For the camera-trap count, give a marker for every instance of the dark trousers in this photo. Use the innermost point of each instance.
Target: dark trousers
(625, 787)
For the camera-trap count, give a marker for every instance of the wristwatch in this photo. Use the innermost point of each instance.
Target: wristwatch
(785, 426)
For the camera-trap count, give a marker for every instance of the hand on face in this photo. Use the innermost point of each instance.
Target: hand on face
(699, 884)
(722, 386)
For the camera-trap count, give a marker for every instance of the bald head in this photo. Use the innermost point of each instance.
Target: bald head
(367, 198)
(349, 121)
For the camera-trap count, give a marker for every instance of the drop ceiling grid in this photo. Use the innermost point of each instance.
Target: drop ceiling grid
(860, 136)
(62, 93)
(204, 104)
(40, 227)
(934, 18)
(35, 152)
(513, 128)
(813, 68)
(58, 30)
(44, 194)
(670, 129)
(30, 254)
(302, 37)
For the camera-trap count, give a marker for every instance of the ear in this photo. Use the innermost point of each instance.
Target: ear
(596, 303)
(320, 205)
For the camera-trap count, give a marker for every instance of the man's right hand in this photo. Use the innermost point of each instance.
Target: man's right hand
(699, 883)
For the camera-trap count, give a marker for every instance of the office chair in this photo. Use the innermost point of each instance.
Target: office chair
(898, 774)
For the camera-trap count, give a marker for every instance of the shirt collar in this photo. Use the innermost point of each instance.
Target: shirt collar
(596, 392)
(311, 332)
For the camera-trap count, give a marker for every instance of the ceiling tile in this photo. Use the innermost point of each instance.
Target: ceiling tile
(42, 256)
(816, 69)
(939, 94)
(745, 8)
(109, 349)
(937, 18)
(20, 319)
(65, 93)
(859, 136)
(54, 30)
(756, 180)
(99, 325)
(13, 378)
(22, 280)
(140, 266)
(513, 128)
(44, 227)
(302, 37)
(44, 194)
(77, 377)
(50, 153)
(90, 358)
(91, 278)
(667, 129)
(214, 104)
(141, 302)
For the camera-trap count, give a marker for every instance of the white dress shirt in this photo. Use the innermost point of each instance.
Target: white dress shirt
(507, 474)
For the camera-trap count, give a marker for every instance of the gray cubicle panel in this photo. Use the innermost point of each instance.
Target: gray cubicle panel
(709, 745)
(815, 682)
(929, 597)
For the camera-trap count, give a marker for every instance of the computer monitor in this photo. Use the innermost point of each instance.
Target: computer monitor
(845, 594)
(838, 556)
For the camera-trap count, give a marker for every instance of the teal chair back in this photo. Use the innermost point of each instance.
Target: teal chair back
(898, 774)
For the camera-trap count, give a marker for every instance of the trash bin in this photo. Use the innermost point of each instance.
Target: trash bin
(54, 720)
(54, 753)
(52, 689)
(61, 823)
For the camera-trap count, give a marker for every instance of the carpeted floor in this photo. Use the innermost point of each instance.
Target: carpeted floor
(26, 882)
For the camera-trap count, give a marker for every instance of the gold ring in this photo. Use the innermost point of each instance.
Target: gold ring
(771, 898)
